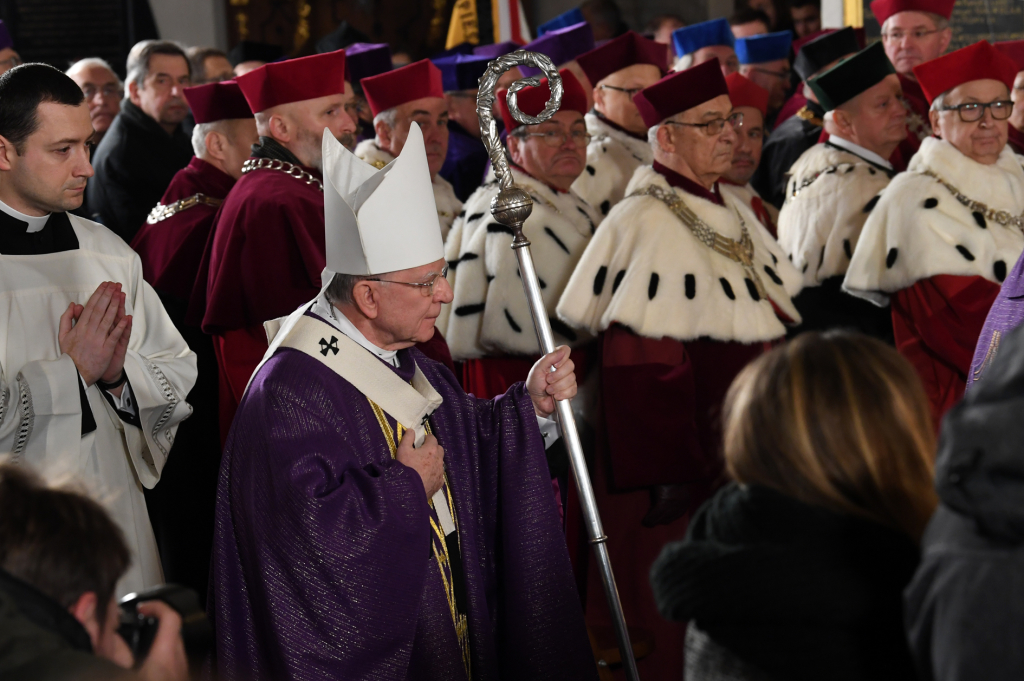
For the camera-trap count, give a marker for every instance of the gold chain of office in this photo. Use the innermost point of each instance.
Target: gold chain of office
(740, 252)
(161, 212)
(1001, 217)
(289, 169)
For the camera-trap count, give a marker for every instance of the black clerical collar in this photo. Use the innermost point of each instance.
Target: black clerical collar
(57, 235)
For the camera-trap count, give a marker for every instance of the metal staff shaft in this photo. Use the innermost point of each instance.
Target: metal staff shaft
(511, 207)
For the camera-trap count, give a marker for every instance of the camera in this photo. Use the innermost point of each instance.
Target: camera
(138, 630)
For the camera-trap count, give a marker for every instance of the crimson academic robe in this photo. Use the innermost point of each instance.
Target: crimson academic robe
(181, 505)
(918, 122)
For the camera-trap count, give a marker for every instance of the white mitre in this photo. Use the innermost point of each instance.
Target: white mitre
(379, 221)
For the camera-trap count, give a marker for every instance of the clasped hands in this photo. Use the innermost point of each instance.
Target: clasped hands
(96, 335)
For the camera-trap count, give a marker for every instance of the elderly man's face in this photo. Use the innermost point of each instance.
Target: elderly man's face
(216, 69)
(406, 314)
(102, 93)
(725, 54)
(984, 139)
(773, 76)
(306, 121)
(746, 153)
(431, 113)
(707, 156)
(554, 151)
(162, 93)
(613, 97)
(911, 39)
(877, 116)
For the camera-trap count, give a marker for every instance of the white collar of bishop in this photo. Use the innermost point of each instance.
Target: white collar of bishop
(326, 311)
(858, 150)
(35, 224)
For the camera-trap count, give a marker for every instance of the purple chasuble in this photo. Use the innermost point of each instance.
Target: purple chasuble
(1005, 315)
(323, 564)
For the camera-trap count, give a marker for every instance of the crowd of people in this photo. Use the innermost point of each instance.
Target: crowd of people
(260, 318)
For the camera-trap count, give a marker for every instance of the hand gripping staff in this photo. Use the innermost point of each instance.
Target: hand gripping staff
(511, 207)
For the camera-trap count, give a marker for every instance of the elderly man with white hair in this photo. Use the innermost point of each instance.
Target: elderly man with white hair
(374, 520)
(944, 234)
(687, 288)
(413, 94)
(102, 89)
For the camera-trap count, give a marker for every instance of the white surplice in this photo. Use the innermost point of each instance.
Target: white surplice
(41, 413)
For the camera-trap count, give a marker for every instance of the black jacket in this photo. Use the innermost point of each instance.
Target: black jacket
(41, 641)
(965, 607)
(783, 147)
(134, 163)
(794, 591)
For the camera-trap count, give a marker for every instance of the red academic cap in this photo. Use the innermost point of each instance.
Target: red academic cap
(975, 62)
(217, 102)
(414, 81)
(618, 53)
(295, 80)
(680, 91)
(883, 9)
(745, 92)
(532, 100)
(1014, 49)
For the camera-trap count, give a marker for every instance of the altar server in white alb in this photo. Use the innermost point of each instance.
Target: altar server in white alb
(618, 145)
(834, 186)
(488, 325)
(399, 99)
(944, 234)
(93, 374)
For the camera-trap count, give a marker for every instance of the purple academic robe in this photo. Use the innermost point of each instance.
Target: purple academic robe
(1005, 315)
(322, 567)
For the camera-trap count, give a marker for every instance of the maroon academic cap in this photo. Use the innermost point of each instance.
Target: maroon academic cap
(217, 102)
(680, 91)
(532, 100)
(295, 80)
(618, 53)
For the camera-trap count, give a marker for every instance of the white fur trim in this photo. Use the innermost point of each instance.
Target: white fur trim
(614, 280)
(490, 314)
(612, 158)
(820, 224)
(918, 229)
(746, 195)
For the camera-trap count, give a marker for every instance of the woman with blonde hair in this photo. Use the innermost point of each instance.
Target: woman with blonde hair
(796, 569)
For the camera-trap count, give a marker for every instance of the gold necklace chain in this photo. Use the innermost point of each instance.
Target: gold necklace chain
(1002, 217)
(741, 252)
(161, 212)
(289, 169)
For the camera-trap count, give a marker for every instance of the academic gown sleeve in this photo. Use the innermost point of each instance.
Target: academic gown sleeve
(937, 322)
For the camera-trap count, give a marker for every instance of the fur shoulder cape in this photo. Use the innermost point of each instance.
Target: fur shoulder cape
(489, 314)
(612, 158)
(919, 229)
(647, 270)
(829, 196)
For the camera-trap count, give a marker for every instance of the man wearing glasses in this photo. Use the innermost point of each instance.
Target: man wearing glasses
(832, 188)
(914, 32)
(488, 325)
(764, 59)
(945, 233)
(686, 291)
(103, 91)
(620, 68)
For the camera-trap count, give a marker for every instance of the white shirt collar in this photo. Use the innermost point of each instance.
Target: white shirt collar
(35, 224)
(330, 314)
(859, 151)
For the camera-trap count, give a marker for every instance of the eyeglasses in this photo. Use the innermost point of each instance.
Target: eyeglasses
(898, 36)
(427, 288)
(107, 91)
(712, 128)
(555, 139)
(630, 91)
(784, 75)
(975, 111)
(357, 107)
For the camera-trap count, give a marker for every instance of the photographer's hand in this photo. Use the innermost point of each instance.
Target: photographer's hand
(166, 660)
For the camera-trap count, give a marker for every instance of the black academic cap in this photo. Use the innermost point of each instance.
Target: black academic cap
(249, 50)
(851, 76)
(823, 50)
(340, 38)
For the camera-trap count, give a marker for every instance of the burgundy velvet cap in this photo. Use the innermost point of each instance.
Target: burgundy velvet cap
(295, 80)
(979, 61)
(745, 92)
(532, 100)
(414, 81)
(618, 53)
(680, 91)
(217, 102)
(883, 9)
(1014, 49)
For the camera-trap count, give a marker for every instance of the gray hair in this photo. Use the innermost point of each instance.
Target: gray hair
(200, 132)
(339, 291)
(142, 53)
(941, 23)
(652, 136)
(939, 102)
(388, 117)
(94, 61)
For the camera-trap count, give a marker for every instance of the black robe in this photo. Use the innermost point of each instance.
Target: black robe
(134, 164)
(783, 147)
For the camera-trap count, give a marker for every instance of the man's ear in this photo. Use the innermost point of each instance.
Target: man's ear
(599, 95)
(514, 151)
(84, 610)
(7, 152)
(665, 139)
(364, 295)
(280, 129)
(843, 121)
(933, 118)
(133, 93)
(946, 37)
(215, 144)
(383, 132)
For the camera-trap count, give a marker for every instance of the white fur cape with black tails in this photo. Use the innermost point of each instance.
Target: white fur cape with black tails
(747, 194)
(448, 205)
(490, 314)
(647, 270)
(829, 196)
(919, 228)
(612, 158)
